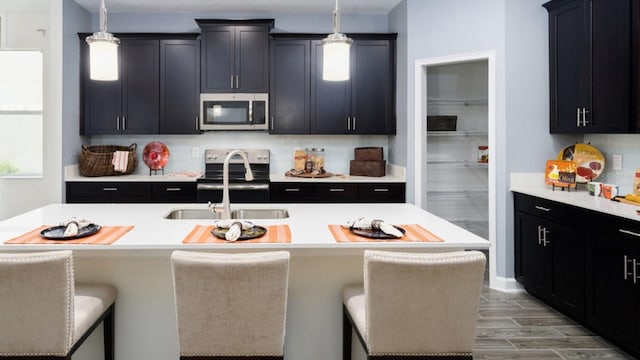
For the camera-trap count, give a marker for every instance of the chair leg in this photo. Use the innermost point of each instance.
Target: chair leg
(346, 335)
(109, 334)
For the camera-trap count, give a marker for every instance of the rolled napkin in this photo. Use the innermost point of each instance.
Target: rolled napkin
(120, 160)
(74, 225)
(235, 228)
(366, 223)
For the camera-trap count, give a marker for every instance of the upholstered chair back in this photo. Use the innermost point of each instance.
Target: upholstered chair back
(36, 296)
(422, 303)
(231, 304)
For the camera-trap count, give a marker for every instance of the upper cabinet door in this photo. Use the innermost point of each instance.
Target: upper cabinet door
(289, 95)
(218, 69)
(590, 66)
(179, 86)
(330, 100)
(373, 87)
(235, 56)
(140, 86)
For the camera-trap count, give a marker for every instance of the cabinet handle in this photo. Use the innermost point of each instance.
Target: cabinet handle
(348, 122)
(109, 189)
(124, 123)
(584, 117)
(197, 122)
(635, 277)
(292, 189)
(545, 242)
(538, 207)
(117, 122)
(578, 117)
(629, 232)
(231, 82)
(539, 235)
(625, 268)
(336, 190)
(237, 81)
(271, 122)
(381, 190)
(173, 189)
(354, 123)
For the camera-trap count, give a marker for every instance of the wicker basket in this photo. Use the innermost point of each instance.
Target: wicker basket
(97, 160)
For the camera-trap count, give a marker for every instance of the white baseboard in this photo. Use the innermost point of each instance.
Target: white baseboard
(505, 284)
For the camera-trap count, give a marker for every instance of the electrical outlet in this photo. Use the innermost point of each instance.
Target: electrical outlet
(195, 152)
(617, 161)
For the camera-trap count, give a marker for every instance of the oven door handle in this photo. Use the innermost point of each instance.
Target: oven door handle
(234, 187)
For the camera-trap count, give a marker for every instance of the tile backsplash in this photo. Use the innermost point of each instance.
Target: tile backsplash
(626, 145)
(338, 148)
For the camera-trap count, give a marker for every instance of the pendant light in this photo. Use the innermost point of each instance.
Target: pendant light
(103, 51)
(336, 55)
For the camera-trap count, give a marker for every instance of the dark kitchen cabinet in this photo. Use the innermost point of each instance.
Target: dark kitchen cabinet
(235, 55)
(290, 86)
(589, 270)
(130, 192)
(108, 192)
(157, 90)
(365, 104)
(592, 60)
(613, 304)
(179, 86)
(303, 103)
(305, 192)
(550, 249)
(129, 105)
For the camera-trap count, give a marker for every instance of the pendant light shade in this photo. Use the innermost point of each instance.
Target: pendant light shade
(336, 52)
(103, 51)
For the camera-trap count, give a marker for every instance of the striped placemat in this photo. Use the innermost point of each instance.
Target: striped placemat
(201, 234)
(107, 235)
(413, 233)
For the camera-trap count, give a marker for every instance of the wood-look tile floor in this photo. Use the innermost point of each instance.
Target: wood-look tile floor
(518, 326)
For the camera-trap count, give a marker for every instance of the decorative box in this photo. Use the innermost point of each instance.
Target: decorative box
(375, 168)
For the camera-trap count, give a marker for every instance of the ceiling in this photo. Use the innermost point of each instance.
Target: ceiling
(381, 7)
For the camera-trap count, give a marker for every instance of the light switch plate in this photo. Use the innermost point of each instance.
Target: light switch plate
(617, 161)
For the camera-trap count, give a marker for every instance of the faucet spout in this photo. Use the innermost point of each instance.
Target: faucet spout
(248, 175)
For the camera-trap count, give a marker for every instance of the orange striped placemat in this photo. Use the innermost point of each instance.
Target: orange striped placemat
(106, 236)
(201, 234)
(413, 233)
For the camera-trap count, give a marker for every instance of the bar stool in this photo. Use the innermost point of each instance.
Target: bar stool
(414, 305)
(231, 306)
(44, 314)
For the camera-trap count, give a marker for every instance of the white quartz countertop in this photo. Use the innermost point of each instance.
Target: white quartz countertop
(533, 184)
(394, 174)
(308, 224)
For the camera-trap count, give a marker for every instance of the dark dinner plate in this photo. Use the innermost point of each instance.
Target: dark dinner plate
(375, 234)
(255, 232)
(57, 232)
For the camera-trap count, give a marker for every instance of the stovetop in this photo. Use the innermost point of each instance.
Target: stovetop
(214, 162)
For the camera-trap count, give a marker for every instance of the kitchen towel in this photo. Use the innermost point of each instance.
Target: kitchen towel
(106, 236)
(120, 160)
(413, 233)
(201, 234)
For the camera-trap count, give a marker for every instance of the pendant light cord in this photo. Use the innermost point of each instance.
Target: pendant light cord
(103, 17)
(336, 19)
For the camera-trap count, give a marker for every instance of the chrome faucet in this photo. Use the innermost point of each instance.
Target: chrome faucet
(248, 175)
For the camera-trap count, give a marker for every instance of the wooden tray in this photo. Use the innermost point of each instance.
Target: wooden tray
(311, 175)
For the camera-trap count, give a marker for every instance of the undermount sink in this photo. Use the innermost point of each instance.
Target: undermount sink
(251, 214)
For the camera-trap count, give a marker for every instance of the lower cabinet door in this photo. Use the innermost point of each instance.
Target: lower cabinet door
(613, 301)
(536, 258)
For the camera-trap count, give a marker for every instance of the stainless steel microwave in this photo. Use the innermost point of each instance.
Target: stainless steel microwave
(234, 111)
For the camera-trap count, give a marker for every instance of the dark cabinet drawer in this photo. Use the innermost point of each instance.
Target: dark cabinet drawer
(381, 193)
(547, 209)
(291, 192)
(328, 193)
(108, 192)
(174, 192)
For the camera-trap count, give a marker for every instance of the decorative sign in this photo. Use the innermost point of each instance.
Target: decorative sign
(561, 173)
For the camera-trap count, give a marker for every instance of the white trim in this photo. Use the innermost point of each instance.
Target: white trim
(506, 284)
(3, 30)
(418, 146)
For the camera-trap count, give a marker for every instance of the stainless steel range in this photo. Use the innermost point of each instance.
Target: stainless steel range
(209, 187)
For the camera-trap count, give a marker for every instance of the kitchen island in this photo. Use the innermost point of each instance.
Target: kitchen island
(138, 265)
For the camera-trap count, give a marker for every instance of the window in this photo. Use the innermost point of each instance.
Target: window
(21, 94)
